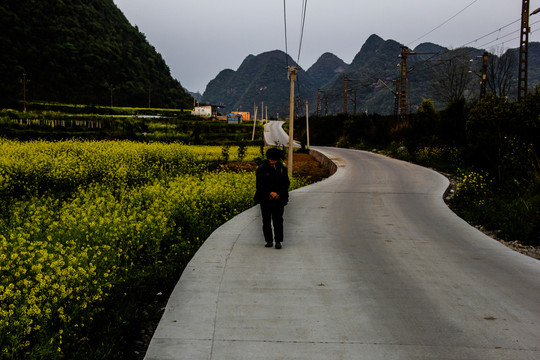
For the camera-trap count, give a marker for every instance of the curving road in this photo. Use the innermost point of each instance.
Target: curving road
(274, 135)
(374, 266)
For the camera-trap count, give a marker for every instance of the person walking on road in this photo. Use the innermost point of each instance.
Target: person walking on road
(272, 183)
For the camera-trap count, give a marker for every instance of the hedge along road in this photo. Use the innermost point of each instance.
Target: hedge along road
(374, 266)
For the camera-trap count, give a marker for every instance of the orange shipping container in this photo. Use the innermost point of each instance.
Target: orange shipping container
(245, 115)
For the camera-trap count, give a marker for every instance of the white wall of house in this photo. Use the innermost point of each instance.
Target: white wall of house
(202, 111)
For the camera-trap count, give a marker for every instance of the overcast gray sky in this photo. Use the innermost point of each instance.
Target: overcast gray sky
(199, 38)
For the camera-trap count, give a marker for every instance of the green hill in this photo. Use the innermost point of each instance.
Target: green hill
(80, 52)
(259, 78)
(326, 67)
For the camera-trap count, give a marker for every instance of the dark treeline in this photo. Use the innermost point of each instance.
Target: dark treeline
(492, 144)
(123, 124)
(80, 51)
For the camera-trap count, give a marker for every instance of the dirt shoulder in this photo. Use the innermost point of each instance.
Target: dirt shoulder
(304, 166)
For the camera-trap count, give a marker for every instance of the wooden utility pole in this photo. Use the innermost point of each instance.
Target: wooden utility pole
(523, 51)
(483, 82)
(307, 123)
(325, 105)
(254, 124)
(111, 89)
(396, 99)
(319, 102)
(403, 84)
(292, 76)
(345, 96)
(23, 80)
(355, 93)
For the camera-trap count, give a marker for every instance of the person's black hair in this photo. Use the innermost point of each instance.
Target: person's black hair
(274, 154)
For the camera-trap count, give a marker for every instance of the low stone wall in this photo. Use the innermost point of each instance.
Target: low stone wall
(326, 162)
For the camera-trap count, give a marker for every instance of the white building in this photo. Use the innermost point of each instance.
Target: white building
(206, 111)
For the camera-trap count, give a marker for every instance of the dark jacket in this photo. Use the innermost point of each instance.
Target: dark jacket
(270, 179)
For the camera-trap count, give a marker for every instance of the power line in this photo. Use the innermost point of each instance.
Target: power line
(488, 34)
(504, 36)
(303, 22)
(494, 31)
(429, 32)
(515, 38)
(285, 22)
(302, 26)
(491, 33)
(500, 38)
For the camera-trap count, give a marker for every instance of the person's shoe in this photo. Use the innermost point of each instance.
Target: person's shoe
(268, 244)
(278, 245)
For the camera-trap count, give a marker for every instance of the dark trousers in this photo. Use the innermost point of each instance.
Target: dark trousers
(272, 213)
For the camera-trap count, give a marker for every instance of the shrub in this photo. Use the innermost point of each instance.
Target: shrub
(473, 188)
(442, 158)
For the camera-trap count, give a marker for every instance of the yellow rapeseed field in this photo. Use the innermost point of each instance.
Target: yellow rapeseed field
(79, 219)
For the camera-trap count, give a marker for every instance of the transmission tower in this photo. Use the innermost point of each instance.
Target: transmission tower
(523, 51)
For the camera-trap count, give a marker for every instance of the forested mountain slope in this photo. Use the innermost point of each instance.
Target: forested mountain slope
(81, 51)
(261, 78)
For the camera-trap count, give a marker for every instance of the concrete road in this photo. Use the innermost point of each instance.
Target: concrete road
(274, 135)
(374, 266)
